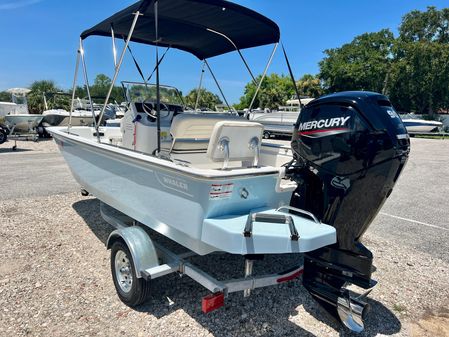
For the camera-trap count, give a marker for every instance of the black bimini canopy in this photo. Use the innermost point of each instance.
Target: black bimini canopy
(201, 27)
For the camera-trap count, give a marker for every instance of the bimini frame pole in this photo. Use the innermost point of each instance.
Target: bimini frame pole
(114, 49)
(198, 92)
(218, 85)
(117, 68)
(158, 91)
(238, 50)
(263, 76)
(291, 76)
(75, 77)
(86, 81)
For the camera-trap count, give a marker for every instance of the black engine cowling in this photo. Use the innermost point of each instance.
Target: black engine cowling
(353, 146)
(350, 149)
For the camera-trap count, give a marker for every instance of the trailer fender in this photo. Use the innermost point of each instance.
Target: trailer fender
(140, 245)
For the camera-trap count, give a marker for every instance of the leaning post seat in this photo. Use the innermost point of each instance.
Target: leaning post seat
(235, 141)
(191, 132)
(214, 141)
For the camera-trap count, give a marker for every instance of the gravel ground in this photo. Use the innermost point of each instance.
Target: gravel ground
(41, 146)
(55, 281)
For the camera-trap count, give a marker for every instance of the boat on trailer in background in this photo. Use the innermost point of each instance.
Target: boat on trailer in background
(208, 182)
(18, 122)
(416, 124)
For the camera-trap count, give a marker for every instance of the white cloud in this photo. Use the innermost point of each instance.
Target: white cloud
(18, 4)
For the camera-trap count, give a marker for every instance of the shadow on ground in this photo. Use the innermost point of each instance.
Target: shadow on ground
(10, 150)
(269, 311)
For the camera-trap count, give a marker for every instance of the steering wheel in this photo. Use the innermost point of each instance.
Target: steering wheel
(149, 107)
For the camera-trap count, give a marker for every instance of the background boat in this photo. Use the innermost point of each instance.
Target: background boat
(416, 124)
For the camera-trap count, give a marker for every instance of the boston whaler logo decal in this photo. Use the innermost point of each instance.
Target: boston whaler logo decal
(324, 125)
(175, 183)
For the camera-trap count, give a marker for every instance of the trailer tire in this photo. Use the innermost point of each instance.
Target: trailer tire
(3, 136)
(131, 290)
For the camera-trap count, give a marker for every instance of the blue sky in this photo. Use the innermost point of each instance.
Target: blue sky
(40, 38)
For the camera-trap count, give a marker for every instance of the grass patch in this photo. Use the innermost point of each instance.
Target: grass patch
(432, 136)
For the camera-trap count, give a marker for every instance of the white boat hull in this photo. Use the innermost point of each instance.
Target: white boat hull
(22, 123)
(183, 205)
(418, 125)
(276, 122)
(62, 118)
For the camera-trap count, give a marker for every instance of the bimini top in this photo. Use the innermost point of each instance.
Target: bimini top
(201, 27)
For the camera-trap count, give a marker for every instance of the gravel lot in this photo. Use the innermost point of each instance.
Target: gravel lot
(55, 274)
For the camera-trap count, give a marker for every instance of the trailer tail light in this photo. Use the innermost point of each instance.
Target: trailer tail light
(290, 277)
(212, 302)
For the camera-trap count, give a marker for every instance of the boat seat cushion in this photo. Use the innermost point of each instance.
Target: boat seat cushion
(191, 132)
(239, 135)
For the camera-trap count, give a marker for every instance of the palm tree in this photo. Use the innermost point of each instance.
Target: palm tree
(36, 96)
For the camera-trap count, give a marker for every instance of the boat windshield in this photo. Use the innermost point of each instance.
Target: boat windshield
(140, 92)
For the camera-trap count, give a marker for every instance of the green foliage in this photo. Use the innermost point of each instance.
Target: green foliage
(274, 91)
(420, 73)
(35, 98)
(420, 77)
(310, 85)
(5, 97)
(412, 69)
(208, 100)
(362, 64)
(429, 26)
(100, 88)
(80, 92)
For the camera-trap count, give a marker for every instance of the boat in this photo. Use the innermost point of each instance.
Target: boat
(11, 108)
(82, 114)
(17, 117)
(209, 183)
(61, 117)
(295, 102)
(18, 104)
(415, 124)
(280, 122)
(23, 123)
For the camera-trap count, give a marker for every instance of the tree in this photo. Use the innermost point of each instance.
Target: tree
(36, 97)
(420, 70)
(100, 88)
(274, 91)
(429, 26)
(420, 77)
(5, 97)
(208, 100)
(80, 92)
(362, 64)
(310, 85)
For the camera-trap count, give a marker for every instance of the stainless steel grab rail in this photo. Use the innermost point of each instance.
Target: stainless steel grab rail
(270, 218)
(301, 211)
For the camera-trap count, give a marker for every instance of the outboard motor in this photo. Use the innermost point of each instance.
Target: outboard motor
(349, 151)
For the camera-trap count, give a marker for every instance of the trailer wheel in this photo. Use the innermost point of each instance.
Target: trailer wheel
(3, 136)
(130, 289)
